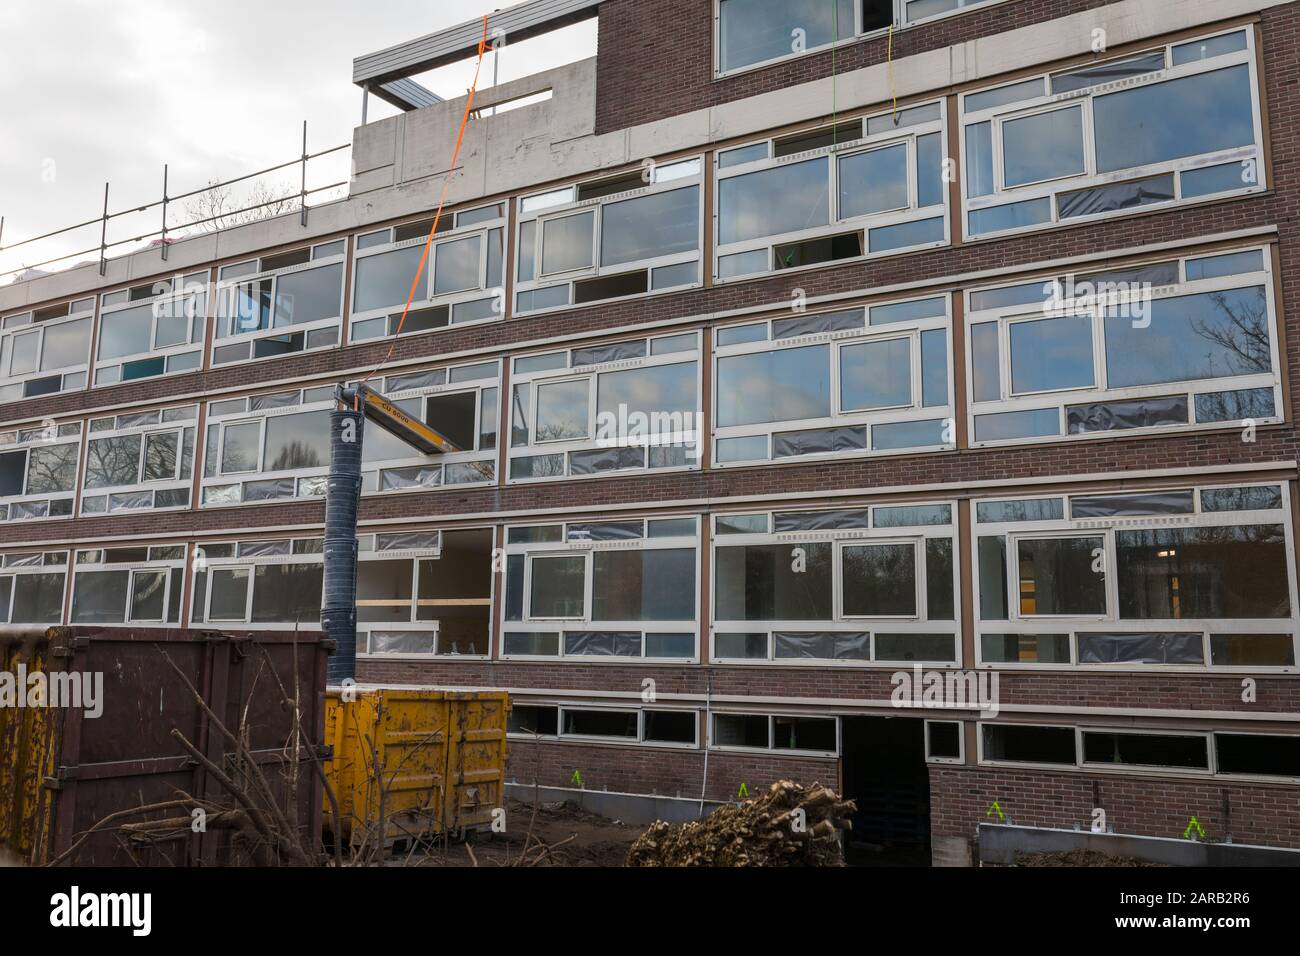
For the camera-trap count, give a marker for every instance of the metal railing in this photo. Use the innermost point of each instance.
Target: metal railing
(106, 216)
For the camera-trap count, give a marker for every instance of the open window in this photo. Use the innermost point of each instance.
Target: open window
(280, 304)
(46, 350)
(152, 329)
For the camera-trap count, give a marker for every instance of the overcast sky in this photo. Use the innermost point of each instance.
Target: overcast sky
(99, 91)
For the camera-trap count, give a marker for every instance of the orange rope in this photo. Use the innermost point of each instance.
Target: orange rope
(442, 199)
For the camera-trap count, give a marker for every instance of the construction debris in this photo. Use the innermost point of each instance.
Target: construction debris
(789, 826)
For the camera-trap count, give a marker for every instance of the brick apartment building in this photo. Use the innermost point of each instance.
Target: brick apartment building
(788, 345)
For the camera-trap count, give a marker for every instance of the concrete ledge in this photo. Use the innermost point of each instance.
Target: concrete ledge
(999, 843)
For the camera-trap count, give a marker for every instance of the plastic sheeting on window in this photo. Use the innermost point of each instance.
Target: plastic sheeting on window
(820, 520)
(605, 459)
(599, 354)
(403, 642)
(262, 549)
(608, 531)
(1155, 503)
(130, 501)
(1108, 198)
(819, 441)
(1158, 648)
(1139, 413)
(827, 646)
(411, 541)
(812, 324)
(269, 490)
(28, 509)
(394, 479)
(603, 643)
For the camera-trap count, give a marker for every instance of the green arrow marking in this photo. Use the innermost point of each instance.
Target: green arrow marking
(576, 778)
(1194, 824)
(743, 792)
(995, 806)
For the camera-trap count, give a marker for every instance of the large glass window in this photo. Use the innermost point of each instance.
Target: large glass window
(278, 305)
(863, 187)
(131, 585)
(46, 350)
(31, 587)
(1160, 127)
(860, 585)
(1192, 578)
(38, 471)
(881, 385)
(1201, 327)
(642, 236)
(620, 588)
(140, 460)
(605, 408)
(152, 329)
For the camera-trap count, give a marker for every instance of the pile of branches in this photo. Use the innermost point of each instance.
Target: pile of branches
(790, 825)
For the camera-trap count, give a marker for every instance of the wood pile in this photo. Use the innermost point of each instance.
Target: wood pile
(790, 825)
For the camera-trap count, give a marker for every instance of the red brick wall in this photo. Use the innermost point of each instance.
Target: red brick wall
(1145, 806)
(657, 771)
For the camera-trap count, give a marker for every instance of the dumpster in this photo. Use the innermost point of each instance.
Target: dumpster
(72, 780)
(424, 761)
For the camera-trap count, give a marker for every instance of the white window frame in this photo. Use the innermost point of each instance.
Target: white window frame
(372, 477)
(833, 154)
(1051, 189)
(587, 549)
(27, 440)
(177, 427)
(533, 381)
(1107, 529)
(226, 290)
(258, 474)
(17, 571)
(134, 568)
(961, 743)
(190, 295)
(561, 208)
(18, 325)
(1060, 400)
(839, 417)
(482, 292)
(839, 621)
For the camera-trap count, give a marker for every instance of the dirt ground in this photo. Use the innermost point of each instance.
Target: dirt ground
(561, 835)
(1078, 858)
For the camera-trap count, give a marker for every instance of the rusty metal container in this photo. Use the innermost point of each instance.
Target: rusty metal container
(63, 770)
(425, 761)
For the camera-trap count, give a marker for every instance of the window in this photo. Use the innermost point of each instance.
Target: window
(944, 741)
(132, 585)
(152, 329)
(462, 279)
(461, 403)
(267, 447)
(593, 591)
(280, 305)
(617, 407)
(38, 471)
(1160, 127)
(863, 188)
(46, 350)
(31, 587)
(658, 726)
(858, 586)
(1178, 751)
(140, 460)
(643, 236)
(859, 381)
(1180, 343)
(752, 33)
(1185, 578)
(804, 734)
(1021, 743)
